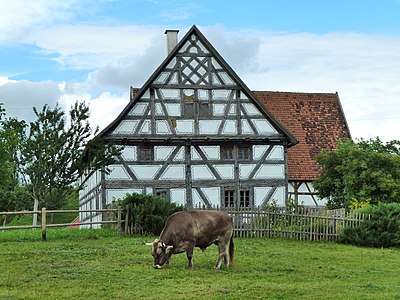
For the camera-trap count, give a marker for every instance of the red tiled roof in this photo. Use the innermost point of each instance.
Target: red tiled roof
(315, 119)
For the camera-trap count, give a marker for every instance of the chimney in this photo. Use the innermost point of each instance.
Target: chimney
(172, 39)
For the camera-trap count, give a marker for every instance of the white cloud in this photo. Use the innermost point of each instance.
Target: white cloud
(91, 47)
(19, 18)
(129, 72)
(19, 97)
(103, 109)
(4, 80)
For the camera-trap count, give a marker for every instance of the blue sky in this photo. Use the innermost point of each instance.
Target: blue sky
(63, 51)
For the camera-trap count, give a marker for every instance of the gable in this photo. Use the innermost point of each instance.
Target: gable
(195, 94)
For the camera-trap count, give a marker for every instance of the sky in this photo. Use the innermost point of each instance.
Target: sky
(59, 52)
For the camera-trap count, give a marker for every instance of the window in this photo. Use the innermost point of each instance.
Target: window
(227, 152)
(193, 106)
(244, 198)
(244, 153)
(188, 110)
(145, 153)
(204, 109)
(188, 103)
(229, 198)
(162, 193)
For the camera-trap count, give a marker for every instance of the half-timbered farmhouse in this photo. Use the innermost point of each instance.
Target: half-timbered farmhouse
(195, 134)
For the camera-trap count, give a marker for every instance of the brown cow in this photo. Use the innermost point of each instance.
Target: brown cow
(185, 230)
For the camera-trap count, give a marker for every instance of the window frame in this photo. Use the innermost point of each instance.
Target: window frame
(229, 198)
(161, 192)
(227, 152)
(244, 152)
(145, 153)
(245, 198)
(237, 198)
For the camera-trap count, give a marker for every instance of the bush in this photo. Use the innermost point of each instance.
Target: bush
(381, 230)
(15, 200)
(147, 213)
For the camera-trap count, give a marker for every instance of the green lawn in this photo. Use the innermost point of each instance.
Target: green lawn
(83, 264)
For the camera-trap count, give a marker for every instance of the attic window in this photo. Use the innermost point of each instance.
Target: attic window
(204, 109)
(145, 153)
(196, 103)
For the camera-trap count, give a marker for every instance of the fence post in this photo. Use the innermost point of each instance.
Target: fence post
(119, 215)
(44, 224)
(127, 220)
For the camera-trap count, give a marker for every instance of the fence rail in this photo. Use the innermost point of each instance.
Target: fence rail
(44, 213)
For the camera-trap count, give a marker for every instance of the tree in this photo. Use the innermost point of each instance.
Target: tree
(55, 154)
(360, 171)
(12, 196)
(11, 135)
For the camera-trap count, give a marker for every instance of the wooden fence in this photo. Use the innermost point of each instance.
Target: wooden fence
(114, 219)
(300, 224)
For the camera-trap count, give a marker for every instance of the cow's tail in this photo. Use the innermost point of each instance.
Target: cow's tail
(231, 251)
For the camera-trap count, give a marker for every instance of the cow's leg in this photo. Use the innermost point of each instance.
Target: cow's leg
(221, 255)
(226, 262)
(189, 254)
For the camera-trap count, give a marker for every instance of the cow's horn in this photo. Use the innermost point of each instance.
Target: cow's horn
(149, 244)
(170, 247)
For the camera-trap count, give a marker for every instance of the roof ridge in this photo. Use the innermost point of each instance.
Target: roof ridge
(305, 93)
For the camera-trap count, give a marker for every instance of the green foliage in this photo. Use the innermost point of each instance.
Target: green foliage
(15, 200)
(358, 204)
(49, 155)
(271, 205)
(363, 170)
(11, 134)
(56, 153)
(381, 230)
(147, 213)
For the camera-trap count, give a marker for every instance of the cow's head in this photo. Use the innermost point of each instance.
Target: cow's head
(160, 252)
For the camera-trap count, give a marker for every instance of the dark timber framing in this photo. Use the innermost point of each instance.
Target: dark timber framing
(189, 110)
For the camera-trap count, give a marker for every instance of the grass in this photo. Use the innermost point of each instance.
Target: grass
(97, 264)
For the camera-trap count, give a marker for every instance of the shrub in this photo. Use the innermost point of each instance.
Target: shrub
(14, 200)
(147, 213)
(381, 230)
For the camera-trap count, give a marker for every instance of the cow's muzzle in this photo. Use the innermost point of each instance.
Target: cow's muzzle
(157, 267)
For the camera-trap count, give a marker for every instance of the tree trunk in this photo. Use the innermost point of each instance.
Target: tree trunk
(35, 208)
